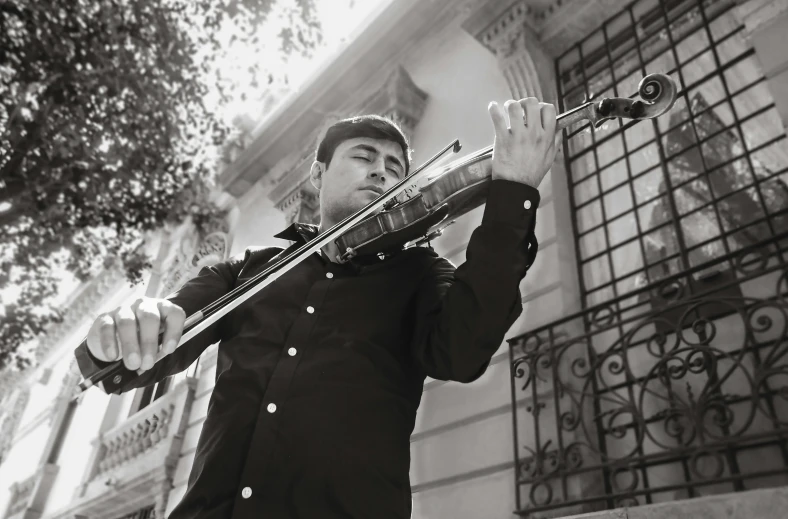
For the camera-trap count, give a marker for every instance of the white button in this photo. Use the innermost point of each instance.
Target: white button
(246, 492)
(310, 309)
(527, 204)
(329, 275)
(271, 408)
(292, 352)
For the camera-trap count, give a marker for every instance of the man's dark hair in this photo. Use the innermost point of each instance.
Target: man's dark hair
(372, 126)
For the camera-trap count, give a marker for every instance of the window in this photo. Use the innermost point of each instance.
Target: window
(654, 198)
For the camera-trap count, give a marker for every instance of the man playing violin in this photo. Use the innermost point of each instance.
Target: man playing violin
(320, 375)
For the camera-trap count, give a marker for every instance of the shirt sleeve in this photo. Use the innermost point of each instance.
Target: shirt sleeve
(463, 314)
(210, 284)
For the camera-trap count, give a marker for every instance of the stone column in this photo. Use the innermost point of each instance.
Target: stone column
(766, 25)
(551, 288)
(511, 35)
(399, 99)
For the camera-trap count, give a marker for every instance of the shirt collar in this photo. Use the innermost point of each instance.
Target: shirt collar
(305, 232)
(300, 232)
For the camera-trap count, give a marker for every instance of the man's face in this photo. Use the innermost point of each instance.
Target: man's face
(359, 172)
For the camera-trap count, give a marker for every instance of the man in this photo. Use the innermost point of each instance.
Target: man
(319, 376)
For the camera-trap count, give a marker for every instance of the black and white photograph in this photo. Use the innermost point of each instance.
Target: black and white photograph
(393, 259)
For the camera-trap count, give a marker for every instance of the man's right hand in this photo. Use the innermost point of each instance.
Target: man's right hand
(131, 332)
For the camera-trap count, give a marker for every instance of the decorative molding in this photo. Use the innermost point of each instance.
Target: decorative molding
(398, 28)
(399, 99)
(193, 254)
(554, 24)
(512, 35)
(303, 204)
(515, 60)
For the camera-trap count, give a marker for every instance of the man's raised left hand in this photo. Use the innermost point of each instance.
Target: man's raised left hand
(524, 149)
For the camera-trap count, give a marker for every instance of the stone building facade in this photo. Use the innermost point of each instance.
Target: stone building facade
(628, 213)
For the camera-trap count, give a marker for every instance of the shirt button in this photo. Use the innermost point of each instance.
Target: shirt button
(310, 309)
(527, 204)
(246, 492)
(271, 409)
(329, 275)
(292, 352)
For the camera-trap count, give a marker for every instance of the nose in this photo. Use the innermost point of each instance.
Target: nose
(378, 170)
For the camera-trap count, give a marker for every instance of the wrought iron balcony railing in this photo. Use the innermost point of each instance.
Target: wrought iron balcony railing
(676, 390)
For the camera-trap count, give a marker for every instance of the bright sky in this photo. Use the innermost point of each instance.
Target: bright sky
(340, 20)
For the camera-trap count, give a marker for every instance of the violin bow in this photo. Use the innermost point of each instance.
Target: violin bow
(657, 92)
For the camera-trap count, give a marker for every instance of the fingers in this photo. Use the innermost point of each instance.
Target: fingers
(498, 120)
(126, 327)
(101, 341)
(547, 116)
(525, 152)
(173, 318)
(533, 119)
(131, 333)
(550, 125)
(148, 321)
(516, 117)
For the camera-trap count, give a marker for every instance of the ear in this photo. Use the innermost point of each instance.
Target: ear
(316, 174)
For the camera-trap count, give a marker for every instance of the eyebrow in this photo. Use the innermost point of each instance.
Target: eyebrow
(372, 149)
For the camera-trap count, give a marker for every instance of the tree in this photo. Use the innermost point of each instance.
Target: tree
(109, 129)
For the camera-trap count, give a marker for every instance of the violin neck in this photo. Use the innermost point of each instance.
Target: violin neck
(584, 112)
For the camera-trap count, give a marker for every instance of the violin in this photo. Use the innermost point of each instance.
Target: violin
(462, 186)
(413, 211)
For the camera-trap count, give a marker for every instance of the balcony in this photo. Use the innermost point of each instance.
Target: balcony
(134, 462)
(28, 497)
(674, 391)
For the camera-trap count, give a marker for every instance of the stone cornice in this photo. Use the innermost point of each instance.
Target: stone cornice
(556, 24)
(493, 18)
(394, 32)
(333, 87)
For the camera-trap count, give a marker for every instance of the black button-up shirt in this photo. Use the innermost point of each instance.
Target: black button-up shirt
(319, 375)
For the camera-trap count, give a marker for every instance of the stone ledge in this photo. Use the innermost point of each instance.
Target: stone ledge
(770, 503)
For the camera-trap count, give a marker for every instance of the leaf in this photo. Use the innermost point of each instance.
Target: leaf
(106, 134)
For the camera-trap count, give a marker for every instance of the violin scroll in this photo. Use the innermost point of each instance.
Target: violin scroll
(658, 93)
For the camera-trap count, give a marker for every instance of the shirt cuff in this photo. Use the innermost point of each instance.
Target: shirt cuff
(510, 202)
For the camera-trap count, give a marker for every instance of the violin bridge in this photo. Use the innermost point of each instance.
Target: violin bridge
(349, 254)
